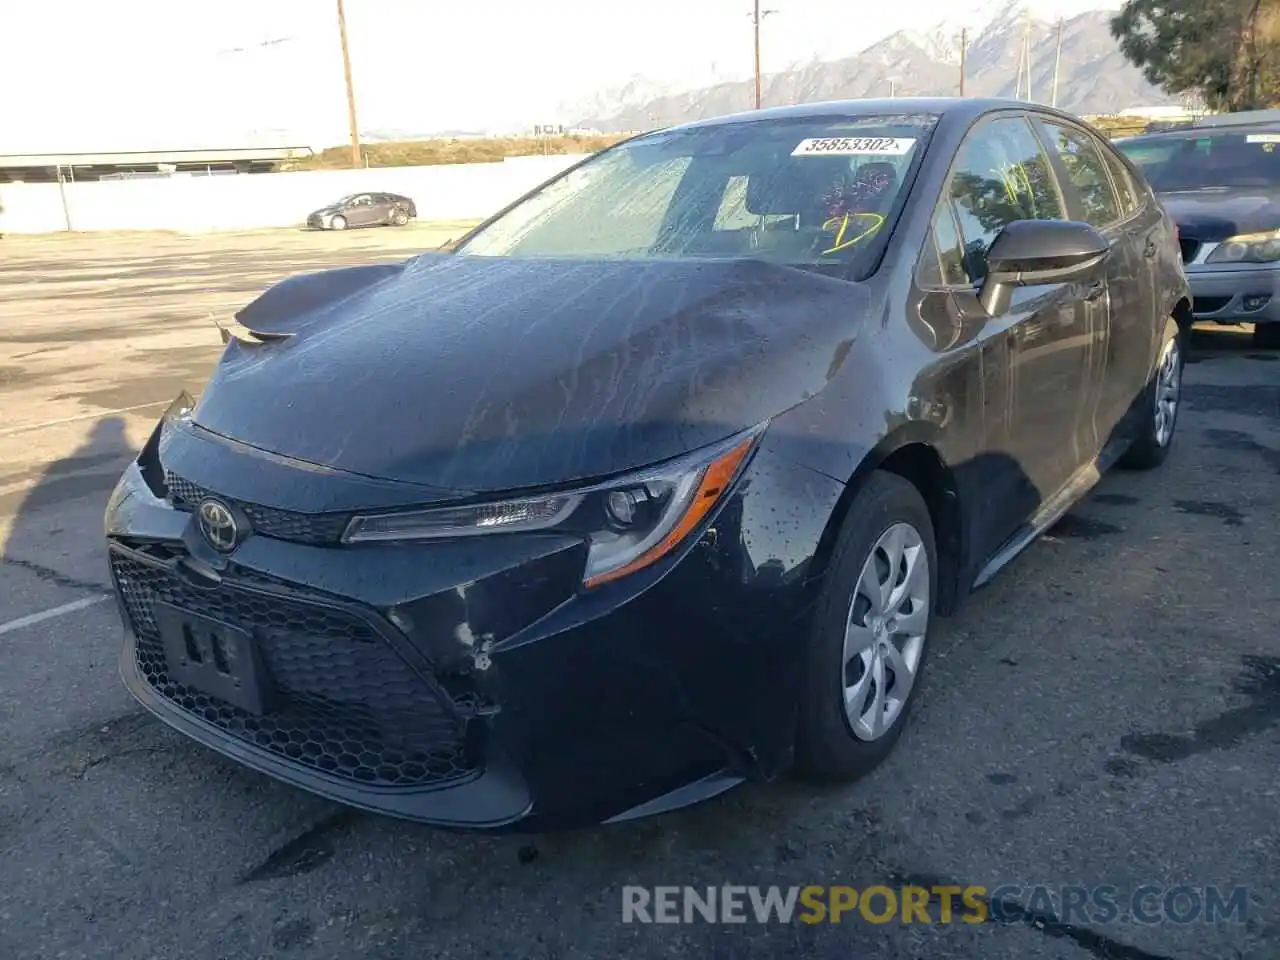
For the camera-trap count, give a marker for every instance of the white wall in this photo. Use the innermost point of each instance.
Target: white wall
(190, 204)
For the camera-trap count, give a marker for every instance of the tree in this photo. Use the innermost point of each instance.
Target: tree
(1227, 51)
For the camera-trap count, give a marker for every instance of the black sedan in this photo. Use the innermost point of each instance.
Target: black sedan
(364, 210)
(658, 481)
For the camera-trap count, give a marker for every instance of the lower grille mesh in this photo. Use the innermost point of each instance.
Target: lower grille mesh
(349, 705)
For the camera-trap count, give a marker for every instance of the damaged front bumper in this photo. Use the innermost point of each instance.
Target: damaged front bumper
(466, 684)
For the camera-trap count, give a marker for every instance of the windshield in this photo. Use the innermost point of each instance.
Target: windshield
(1200, 159)
(816, 193)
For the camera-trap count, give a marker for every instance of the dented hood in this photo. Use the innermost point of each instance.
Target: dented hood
(479, 374)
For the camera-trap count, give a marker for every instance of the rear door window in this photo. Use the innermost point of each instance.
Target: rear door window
(1130, 196)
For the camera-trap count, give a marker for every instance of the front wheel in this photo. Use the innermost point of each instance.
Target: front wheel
(399, 217)
(1160, 407)
(870, 633)
(338, 223)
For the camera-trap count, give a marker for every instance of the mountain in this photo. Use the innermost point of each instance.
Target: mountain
(1094, 76)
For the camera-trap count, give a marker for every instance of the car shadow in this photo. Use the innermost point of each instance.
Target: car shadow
(90, 471)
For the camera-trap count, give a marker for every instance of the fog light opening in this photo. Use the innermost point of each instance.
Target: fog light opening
(1254, 302)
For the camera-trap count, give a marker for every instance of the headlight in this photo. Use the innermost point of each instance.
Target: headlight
(1248, 248)
(629, 523)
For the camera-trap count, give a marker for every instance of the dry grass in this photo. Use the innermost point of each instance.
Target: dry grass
(1119, 126)
(415, 153)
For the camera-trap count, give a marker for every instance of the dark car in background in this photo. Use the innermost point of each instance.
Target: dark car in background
(364, 210)
(658, 481)
(1219, 178)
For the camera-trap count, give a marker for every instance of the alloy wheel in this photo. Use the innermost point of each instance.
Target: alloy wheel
(885, 632)
(1168, 391)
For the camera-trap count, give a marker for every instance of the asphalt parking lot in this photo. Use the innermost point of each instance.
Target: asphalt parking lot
(1107, 713)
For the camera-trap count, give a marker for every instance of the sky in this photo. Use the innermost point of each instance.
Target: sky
(83, 75)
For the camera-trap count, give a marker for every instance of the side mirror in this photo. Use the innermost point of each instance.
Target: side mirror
(1028, 253)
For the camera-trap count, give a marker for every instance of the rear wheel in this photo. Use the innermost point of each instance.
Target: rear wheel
(870, 633)
(1160, 403)
(338, 223)
(1266, 336)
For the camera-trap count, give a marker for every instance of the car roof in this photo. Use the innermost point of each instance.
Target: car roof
(960, 107)
(1268, 120)
(1241, 119)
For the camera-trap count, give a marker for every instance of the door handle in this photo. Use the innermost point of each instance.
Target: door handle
(1094, 291)
(1150, 250)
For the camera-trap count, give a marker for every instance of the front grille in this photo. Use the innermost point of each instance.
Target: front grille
(348, 705)
(1190, 248)
(317, 529)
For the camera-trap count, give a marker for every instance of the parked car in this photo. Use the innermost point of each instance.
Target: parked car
(364, 210)
(659, 480)
(1219, 178)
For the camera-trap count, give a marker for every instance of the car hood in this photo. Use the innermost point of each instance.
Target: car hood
(325, 211)
(1214, 214)
(478, 374)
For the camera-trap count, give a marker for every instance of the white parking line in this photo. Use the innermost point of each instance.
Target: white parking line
(82, 416)
(52, 612)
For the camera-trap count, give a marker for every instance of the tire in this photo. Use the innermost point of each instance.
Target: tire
(1160, 405)
(831, 746)
(338, 223)
(1266, 336)
(399, 217)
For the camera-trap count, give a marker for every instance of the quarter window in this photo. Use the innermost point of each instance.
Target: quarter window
(944, 263)
(1087, 173)
(1001, 175)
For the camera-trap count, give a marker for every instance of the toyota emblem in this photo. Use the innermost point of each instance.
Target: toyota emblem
(218, 525)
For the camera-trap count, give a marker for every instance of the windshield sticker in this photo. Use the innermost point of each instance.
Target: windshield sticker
(1263, 138)
(854, 147)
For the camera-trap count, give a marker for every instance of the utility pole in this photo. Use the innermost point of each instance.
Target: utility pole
(756, 16)
(1057, 64)
(964, 45)
(1026, 43)
(351, 93)
(1017, 83)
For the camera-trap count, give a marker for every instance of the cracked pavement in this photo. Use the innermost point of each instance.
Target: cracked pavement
(1106, 713)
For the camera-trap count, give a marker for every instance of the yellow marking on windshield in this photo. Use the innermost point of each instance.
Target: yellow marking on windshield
(841, 226)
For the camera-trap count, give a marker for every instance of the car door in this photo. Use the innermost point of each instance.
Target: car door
(987, 477)
(1092, 196)
(381, 208)
(1151, 235)
(359, 211)
(1036, 361)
